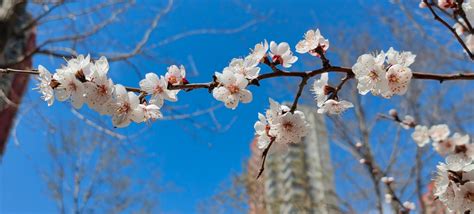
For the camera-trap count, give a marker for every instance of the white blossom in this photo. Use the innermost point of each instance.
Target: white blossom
(468, 7)
(464, 197)
(69, 88)
(385, 74)
(407, 122)
(404, 58)
(176, 75)
(469, 40)
(319, 89)
(334, 107)
(44, 85)
(370, 74)
(312, 40)
(247, 67)
(281, 54)
(409, 205)
(259, 51)
(439, 132)
(126, 108)
(158, 88)
(458, 26)
(289, 127)
(99, 89)
(422, 4)
(445, 4)
(275, 111)
(80, 66)
(150, 112)
(455, 144)
(280, 125)
(459, 139)
(387, 180)
(398, 78)
(231, 89)
(421, 135)
(453, 183)
(261, 130)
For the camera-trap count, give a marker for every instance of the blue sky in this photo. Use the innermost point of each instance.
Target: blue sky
(195, 160)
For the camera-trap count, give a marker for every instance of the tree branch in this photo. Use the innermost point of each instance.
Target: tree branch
(264, 157)
(442, 21)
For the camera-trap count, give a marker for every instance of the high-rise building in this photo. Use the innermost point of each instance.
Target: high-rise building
(298, 179)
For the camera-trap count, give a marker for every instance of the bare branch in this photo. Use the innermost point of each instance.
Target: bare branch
(442, 21)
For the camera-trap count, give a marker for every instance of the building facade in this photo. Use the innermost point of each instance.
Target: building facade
(298, 178)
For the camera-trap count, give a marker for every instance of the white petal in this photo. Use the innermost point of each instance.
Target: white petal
(245, 96)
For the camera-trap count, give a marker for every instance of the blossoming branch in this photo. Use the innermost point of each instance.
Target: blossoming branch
(386, 74)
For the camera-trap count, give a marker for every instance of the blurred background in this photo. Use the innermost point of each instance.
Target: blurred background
(201, 157)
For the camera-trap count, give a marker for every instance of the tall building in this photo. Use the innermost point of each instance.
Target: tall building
(298, 179)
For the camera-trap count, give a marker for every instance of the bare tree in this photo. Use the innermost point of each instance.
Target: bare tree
(91, 172)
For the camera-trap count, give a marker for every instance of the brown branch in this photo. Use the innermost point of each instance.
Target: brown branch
(282, 73)
(94, 30)
(264, 157)
(442, 21)
(339, 86)
(303, 82)
(146, 36)
(443, 77)
(397, 119)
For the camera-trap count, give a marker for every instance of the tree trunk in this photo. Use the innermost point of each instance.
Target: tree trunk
(15, 43)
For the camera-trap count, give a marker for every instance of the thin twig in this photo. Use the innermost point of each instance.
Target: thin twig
(303, 82)
(442, 21)
(264, 157)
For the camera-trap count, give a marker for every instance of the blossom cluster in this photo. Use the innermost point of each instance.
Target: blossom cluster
(280, 125)
(83, 81)
(234, 78)
(384, 74)
(454, 183)
(442, 142)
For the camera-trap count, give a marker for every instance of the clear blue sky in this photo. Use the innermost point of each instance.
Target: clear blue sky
(195, 160)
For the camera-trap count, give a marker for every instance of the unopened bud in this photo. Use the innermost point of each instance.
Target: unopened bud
(359, 145)
(393, 112)
(387, 180)
(362, 161)
(409, 205)
(422, 4)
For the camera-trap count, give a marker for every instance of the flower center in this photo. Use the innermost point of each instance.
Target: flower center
(460, 149)
(102, 90)
(72, 86)
(373, 75)
(277, 59)
(288, 125)
(233, 89)
(173, 80)
(469, 196)
(123, 109)
(158, 90)
(393, 78)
